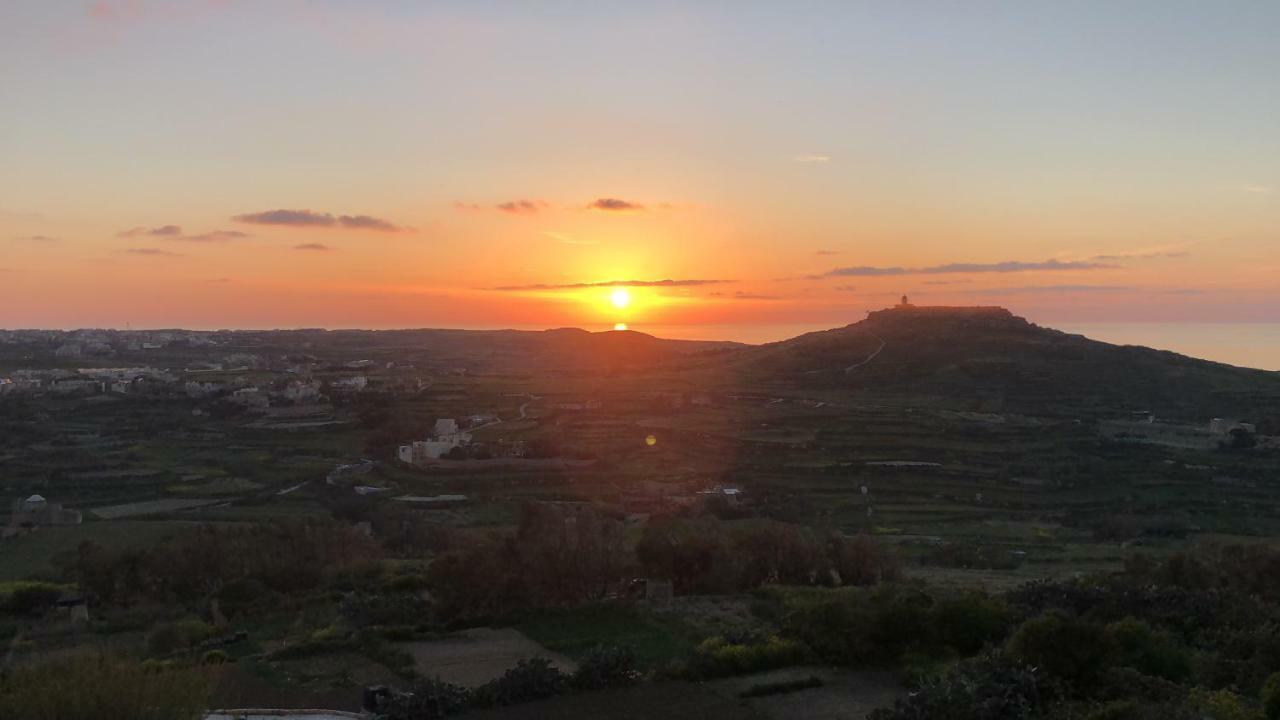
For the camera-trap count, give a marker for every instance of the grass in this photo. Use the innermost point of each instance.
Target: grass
(35, 555)
(574, 632)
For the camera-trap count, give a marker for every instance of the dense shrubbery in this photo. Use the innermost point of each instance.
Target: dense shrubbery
(28, 597)
(286, 557)
(565, 555)
(717, 657)
(881, 626)
(706, 555)
(531, 679)
(1190, 637)
(988, 687)
(606, 666)
(103, 687)
(167, 638)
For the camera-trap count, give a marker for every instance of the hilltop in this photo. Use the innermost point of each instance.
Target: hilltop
(991, 359)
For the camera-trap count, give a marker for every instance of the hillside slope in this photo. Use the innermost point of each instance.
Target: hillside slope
(986, 357)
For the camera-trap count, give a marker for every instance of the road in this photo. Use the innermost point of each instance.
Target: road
(866, 360)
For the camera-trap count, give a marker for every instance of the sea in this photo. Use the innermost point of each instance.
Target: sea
(1253, 345)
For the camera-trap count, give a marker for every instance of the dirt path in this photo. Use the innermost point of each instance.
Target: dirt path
(474, 657)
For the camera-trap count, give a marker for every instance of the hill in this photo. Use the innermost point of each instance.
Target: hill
(989, 359)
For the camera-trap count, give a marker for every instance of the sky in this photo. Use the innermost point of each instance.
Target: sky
(294, 163)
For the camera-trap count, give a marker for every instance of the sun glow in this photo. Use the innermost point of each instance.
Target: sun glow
(620, 298)
(619, 326)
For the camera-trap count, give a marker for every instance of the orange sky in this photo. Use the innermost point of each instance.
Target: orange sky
(227, 164)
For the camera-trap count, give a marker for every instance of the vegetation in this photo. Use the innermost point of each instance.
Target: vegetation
(103, 687)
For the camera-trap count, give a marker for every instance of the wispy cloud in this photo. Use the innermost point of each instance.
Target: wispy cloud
(812, 158)
(826, 252)
(1057, 289)
(612, 283)
(311, 218)
(522, 207)
(313, 246)
(1176, 250)
(947, 282)
(1008, 266)
(846, 288)
(1256, 189)
(220, 281)
(567, 238)
(37, 239)
(151, 252)
(215, 236)
(174, 232)
(741, 295)
(161, 231)
(615, 205)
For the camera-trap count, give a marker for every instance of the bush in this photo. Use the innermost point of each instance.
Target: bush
(28, 597)
(1135, 644)
(1064, 646)
(606, 666)
(170, 637)
(967, 622)
(529, 680)
(1271, 697)
(215, 657)
(103, 687)
(427, 699)
(716, 657)
(988, 687)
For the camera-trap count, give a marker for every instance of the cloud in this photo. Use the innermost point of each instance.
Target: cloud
(612, 283)
(947, 282)
(1257, 189)
(1054, 289)
(310, 218)
(1008, 266)
(522, 207)
(740, 295)
(567, 238)
(152, 252)
(615, 205)
(162, 231)
(220, 280)
(216, 236)
(812, 158)
(38, 239)
(174, 232)
(315, 246)
(1141, 255)
(826, 252)
(846, 288)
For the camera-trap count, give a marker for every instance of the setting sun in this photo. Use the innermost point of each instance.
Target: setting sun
(620, 298)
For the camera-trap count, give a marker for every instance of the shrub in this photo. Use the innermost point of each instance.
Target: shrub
(215, 657)
(988, 687)
(969, 621)
(103, 687)
(1135, 644)
(1271, 697)
(170, 637)
(532, 679)
(606, 666)
(427, 699)
(1064, 646)
(28, 597)
(716, 657)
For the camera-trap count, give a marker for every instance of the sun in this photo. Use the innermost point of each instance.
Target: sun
(620, 298)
